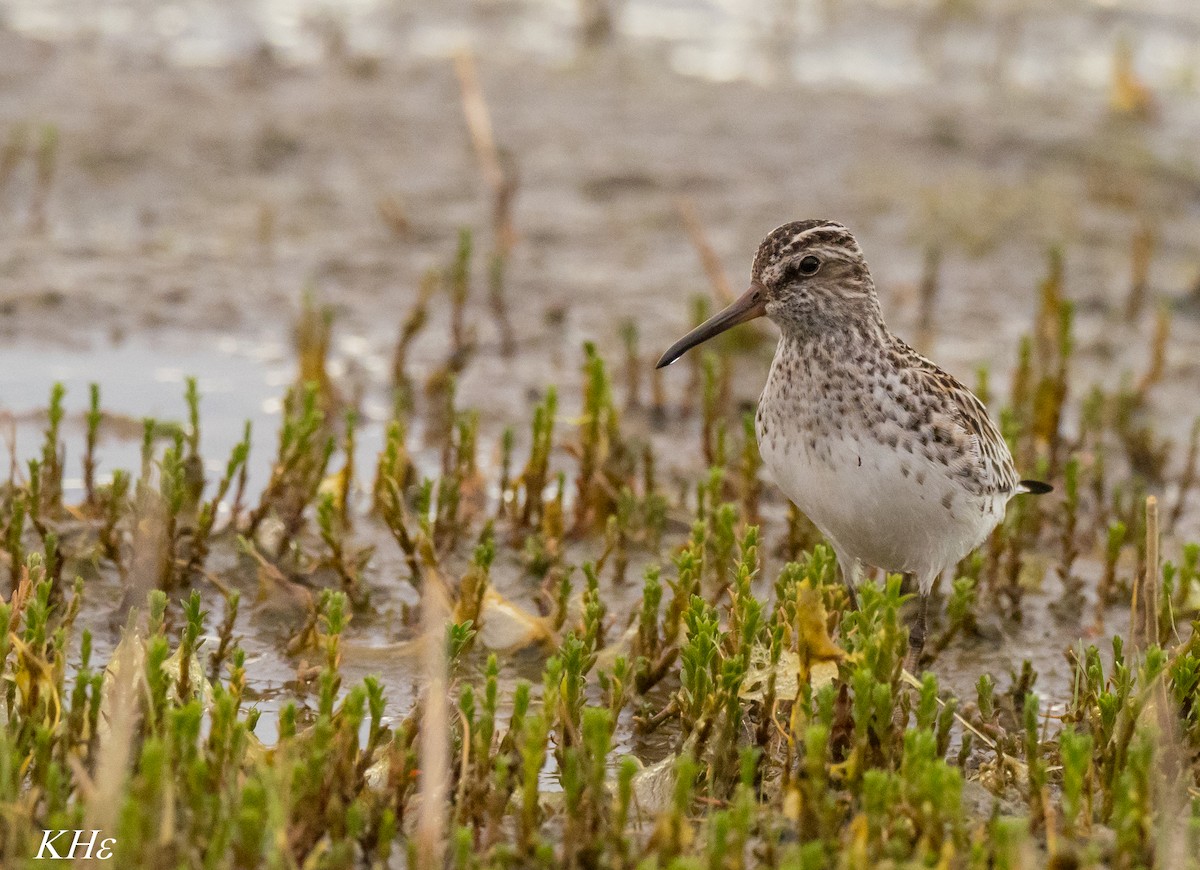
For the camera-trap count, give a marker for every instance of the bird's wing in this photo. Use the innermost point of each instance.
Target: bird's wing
(983, 461)
(997, 472)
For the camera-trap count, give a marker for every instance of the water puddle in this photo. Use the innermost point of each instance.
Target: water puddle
(241, 380)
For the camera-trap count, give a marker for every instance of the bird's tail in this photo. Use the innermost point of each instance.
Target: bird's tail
(1034, 487)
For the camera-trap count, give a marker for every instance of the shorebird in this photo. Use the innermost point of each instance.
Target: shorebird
(895, 462)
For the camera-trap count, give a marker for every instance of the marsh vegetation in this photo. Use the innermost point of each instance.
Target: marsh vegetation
(681, 680)
(485, 589)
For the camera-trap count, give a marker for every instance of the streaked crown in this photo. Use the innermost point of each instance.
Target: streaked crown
(812, 271)
(785, 246)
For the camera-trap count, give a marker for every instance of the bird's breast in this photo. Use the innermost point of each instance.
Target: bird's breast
(876, 497)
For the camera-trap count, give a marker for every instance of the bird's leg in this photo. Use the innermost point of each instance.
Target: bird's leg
(916, 634)
(851, 573)
(912, 660)
(853, 593)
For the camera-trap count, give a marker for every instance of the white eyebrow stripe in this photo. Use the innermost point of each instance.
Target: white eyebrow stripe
(831, 252)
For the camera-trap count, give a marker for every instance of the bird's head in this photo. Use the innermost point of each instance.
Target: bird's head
(808, 277)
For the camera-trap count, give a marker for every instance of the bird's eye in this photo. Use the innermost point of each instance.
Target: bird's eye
(809, 265)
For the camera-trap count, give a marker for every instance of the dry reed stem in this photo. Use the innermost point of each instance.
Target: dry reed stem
(497, 165)
(503, 196)
(1170, 791)
(1152, 570)
(483, 140)
(115, 746)
(124, 691)
(479, 121)
(1143, 630)
(434, 739)
(1158, 353)
(391, 211)
(708, 257)
(906, 676)
(1140, 256)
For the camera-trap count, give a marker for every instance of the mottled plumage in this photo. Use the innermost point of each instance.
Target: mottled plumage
(894, 460)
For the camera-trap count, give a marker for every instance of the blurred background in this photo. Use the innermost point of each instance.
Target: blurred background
(176, 176)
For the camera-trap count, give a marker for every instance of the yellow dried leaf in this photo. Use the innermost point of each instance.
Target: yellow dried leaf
(34, 678)
(505, 627)
(654, 786)
(812, 636)
(822, 674)
(787, 675)
(607, 657)
(173, 668)
(792, 804)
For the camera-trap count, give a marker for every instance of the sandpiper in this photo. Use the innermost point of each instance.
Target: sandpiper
(894, 460)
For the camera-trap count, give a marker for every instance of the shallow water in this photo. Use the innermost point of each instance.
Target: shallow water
(143, 376)
(240, 380)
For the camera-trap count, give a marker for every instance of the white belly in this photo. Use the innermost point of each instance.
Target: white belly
(886, 507)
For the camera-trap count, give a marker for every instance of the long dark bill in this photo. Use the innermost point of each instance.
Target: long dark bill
(751, 304)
